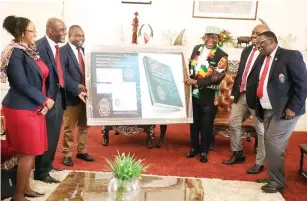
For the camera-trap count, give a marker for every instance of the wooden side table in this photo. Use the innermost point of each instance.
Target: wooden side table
(303, 148)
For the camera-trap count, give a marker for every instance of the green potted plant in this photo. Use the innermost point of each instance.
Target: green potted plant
(126, 171)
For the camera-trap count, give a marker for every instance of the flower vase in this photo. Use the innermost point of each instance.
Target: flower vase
(122, 190)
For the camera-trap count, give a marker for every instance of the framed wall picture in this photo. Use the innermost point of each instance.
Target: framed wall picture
(238, 10)
(136, 2)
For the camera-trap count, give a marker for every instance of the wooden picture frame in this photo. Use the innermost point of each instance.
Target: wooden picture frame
(137, 2)
(234, 10)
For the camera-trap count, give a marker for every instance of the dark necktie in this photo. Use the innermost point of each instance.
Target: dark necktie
(262, 78)
(249, 64)
(82, 67)
(59, 66)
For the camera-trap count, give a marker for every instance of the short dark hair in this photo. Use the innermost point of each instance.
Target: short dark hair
(15, 25)
(269, 34)
(72, 27)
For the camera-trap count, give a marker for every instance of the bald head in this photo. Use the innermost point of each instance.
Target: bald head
(258, 30)
(261, 28)
(76, 35)
(56, 30)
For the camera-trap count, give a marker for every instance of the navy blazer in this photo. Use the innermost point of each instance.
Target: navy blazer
(47, 57)
(25, 79)
(73, 76)
(287, 83)
(252, 80)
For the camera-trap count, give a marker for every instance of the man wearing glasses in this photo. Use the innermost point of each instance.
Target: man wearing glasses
(281, 95)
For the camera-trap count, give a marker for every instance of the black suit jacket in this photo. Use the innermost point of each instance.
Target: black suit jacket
(47, 57)
(73, 75)
(207, 95)
(252, 79)
(287, 83)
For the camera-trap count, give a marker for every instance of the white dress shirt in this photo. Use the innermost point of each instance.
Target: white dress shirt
(265, 100)
(52, 45)
(251, 66)
(75, 50)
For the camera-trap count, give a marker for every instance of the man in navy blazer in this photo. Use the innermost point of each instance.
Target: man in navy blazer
(75, 113)
(281, 99)
(48, 49)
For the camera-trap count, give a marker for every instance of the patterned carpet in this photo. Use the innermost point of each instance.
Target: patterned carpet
(170, 160)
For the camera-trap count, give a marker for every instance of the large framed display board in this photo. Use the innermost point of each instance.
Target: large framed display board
(136, 85)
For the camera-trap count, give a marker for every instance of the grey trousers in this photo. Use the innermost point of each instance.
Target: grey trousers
(277, 133)
(240, 112)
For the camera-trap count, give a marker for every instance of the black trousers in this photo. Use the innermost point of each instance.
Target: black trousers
(43, 163)
(203, 124)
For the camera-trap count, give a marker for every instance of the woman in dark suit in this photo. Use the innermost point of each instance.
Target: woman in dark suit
(25, 104)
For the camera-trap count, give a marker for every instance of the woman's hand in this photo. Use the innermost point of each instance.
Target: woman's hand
(43, 110)
(49, 103)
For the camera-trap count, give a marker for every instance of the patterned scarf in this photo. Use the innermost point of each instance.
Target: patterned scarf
(200, 69)
(7, 53)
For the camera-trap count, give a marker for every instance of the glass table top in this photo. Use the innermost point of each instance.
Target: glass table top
(79, 186)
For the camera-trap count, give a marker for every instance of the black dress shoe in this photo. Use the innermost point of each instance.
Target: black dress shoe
(68, 161)
(203, 157)
(237, 157)
(262, 180)
(192, 153)
(255, 169)
(271, 188)
(85, 157)
(47, 179)
(37, 194)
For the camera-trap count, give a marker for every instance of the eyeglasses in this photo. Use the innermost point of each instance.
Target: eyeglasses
(262, 41)
(32, 31)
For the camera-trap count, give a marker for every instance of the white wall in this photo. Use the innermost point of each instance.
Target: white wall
(103, 19)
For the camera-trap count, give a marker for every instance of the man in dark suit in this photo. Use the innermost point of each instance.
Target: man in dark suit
(48, 49)
(75, 113)
(244, 94)
(281, 100)
(207, 66)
